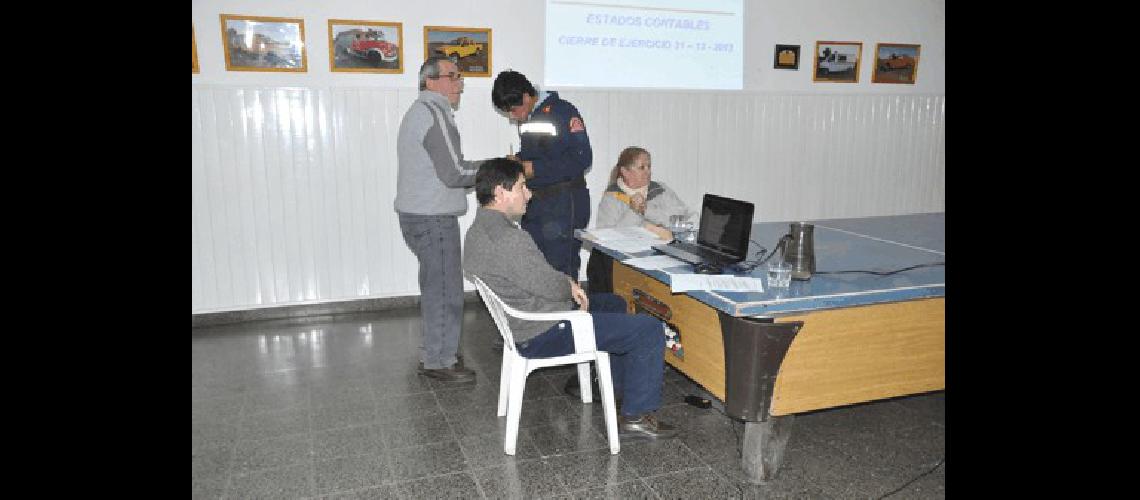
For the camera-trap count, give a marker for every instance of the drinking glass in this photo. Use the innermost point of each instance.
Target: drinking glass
(681, 227)
(779, 273)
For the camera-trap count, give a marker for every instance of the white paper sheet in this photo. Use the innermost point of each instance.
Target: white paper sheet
(727, 282)
(654, 262)
(630, 246)
(624, 233)
(627, 240)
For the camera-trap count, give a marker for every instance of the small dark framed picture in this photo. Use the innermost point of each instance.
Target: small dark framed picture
(787, 57)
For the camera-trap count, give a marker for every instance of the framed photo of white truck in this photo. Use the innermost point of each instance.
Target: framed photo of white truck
(468, 48)
(366, 46)
(895, 63)
(837, 62)
(257, 43)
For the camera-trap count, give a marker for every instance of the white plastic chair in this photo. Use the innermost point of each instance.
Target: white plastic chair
(516, 367)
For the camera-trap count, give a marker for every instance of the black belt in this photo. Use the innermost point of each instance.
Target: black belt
(539, 193)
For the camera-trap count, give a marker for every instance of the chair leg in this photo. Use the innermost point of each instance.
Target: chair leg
(609, 407)
(518, 375)
(509, 359)
(584, 385)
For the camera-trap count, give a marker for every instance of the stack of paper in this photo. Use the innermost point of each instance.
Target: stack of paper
(653, 262)
(686, 282)
(627, 240)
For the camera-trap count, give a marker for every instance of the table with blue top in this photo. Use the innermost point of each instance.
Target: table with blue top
(835, 339)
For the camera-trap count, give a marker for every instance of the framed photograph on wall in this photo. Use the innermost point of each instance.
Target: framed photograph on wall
(837, 62)
(787, 57)
(469, 48)
(193, 50)
(366, 46)
(254, 43)
(895, 63)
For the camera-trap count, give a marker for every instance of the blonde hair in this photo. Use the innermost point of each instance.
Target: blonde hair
(626, 159)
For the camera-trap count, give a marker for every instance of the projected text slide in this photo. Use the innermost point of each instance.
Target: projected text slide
(638, 43)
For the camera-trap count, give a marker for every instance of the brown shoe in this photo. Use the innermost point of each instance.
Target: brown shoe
(644, 427)
(454, 374)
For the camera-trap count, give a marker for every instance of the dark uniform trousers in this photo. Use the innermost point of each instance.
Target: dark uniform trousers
(560, 202)
(551, 221)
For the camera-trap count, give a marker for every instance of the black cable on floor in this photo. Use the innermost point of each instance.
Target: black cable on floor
(920, 476)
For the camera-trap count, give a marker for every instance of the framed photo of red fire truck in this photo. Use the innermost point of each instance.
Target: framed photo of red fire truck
(256, 43)
(366, 46)
(468, 48)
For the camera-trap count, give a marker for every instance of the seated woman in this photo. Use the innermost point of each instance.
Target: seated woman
(632, 199)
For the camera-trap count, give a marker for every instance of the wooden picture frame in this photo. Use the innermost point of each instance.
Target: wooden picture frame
(786, 57)
(836, 62)
(469, 48)
(896, 63)
(258, 43)
(366, 46)
(193, 50)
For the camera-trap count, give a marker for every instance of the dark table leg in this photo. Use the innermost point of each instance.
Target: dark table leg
(763, 448)
(753, 351)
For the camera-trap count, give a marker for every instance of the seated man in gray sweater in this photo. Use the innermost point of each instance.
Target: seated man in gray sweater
(506, 258)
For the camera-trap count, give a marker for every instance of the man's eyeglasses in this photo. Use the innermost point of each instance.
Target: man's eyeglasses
(451, 76)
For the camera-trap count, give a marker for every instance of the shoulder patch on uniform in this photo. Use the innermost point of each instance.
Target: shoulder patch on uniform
(546, 109)
(576, 125)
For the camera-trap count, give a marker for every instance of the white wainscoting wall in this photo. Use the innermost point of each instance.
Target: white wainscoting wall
(293, 186)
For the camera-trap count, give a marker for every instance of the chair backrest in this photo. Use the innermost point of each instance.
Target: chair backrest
(498, 311)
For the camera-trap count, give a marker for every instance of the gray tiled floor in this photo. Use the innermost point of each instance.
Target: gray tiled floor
(332, 407)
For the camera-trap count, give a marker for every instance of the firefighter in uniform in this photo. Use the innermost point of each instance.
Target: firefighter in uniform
(555, 154)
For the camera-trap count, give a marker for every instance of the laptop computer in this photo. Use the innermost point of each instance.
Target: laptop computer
(722, 237)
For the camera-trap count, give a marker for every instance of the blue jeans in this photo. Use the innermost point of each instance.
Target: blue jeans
(636, 343)
(434, 239)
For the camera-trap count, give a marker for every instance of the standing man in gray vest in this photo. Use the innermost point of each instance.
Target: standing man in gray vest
(430, 196)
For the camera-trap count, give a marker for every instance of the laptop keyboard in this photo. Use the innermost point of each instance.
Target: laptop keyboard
(690, 252)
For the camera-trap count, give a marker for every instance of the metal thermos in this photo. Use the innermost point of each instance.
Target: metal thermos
(800, 250)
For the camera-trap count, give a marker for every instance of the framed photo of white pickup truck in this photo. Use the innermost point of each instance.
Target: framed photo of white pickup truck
(256, 43)
(895, 63)
(366, 46)
(837, 62)
(468, 48)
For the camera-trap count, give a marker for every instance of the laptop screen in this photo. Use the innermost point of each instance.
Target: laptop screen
(726, 225)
